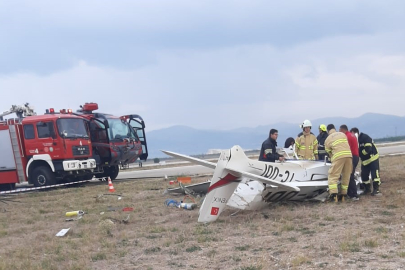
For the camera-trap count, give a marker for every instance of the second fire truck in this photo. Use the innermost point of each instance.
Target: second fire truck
(117, 141)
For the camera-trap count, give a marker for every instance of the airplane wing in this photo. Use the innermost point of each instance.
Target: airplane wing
(323, 183)
(191, 159)
(263, 179)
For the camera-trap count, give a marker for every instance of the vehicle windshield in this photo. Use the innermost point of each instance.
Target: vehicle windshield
(119, 129)
(72, 128)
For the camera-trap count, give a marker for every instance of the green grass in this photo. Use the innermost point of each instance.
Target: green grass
(387, 213)
(300, 260)
(251, 268)
(242, 248)
(193, 249)
(349, 246)
(381, 230)
(287, 228)
(152, 250)
(157, 230)
(371, 243)
(99, 256)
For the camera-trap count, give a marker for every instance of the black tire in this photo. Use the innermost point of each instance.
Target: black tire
(112, 171)
(42, 176)
(88, 176)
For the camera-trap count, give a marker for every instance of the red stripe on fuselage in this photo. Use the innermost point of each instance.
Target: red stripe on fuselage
(229, 178)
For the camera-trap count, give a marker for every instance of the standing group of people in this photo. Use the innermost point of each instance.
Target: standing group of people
(342, 148)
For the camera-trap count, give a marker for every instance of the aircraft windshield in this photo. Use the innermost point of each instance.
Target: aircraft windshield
(120, 129)
(72, 128)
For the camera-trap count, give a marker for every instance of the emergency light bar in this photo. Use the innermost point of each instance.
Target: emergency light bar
(64, 111)
(90, 106)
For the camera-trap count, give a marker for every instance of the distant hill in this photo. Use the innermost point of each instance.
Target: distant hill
(191, 141)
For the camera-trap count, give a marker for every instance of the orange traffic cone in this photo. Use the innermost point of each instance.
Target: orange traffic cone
(110, 185)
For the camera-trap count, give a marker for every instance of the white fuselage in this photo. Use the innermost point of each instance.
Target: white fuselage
(310, 176)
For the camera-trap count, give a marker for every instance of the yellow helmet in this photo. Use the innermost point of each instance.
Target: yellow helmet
(322, 127)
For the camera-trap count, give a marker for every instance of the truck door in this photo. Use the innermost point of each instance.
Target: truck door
(100, 141)
(138, 125)
(44, 142)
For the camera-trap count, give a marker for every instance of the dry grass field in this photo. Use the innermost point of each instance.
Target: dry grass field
(368, 234)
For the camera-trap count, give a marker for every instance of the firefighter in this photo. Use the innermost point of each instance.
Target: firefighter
(306, 144)
(323, 134)
(369, 162)
(268, 151)
(354, 147)
(338, 149)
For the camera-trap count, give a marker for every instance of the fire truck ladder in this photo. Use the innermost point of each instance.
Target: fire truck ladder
(15, 138)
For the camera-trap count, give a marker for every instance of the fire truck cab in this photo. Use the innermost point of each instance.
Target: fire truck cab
(115, 140)
(45, 149)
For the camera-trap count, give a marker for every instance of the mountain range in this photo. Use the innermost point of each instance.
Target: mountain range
(192, 141)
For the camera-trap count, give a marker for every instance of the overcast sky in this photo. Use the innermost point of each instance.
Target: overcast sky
(206, 64)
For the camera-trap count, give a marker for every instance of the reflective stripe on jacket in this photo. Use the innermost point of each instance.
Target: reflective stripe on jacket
(306, 146)
(337, 146)
(367, 150)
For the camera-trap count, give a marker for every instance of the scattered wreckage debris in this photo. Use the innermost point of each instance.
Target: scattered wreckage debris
(78, 214)
(100, 197)
(180, 179)
(75, 213)
(74, 219)
(125, 209)
(194, 189)
(249, 184)
(181, 204)
(62, 232)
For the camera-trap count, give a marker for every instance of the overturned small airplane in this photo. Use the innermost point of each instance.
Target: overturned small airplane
(249, 184)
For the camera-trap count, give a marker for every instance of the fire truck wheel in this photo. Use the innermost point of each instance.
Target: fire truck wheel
(112, 172)
(88, 177)
(43, 176)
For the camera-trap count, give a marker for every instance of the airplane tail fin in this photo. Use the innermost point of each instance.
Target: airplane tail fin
(222, 186)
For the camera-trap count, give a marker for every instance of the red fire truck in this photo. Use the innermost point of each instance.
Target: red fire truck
(115, 140)
(44, 149)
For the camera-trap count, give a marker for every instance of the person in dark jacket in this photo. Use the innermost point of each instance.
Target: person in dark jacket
(369, 162)
(323, 134)
(268, 151)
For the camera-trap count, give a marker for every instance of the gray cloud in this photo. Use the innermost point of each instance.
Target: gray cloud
(207, 65)
(44, 36)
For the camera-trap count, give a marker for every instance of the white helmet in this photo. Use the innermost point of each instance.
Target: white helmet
(306, 123)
